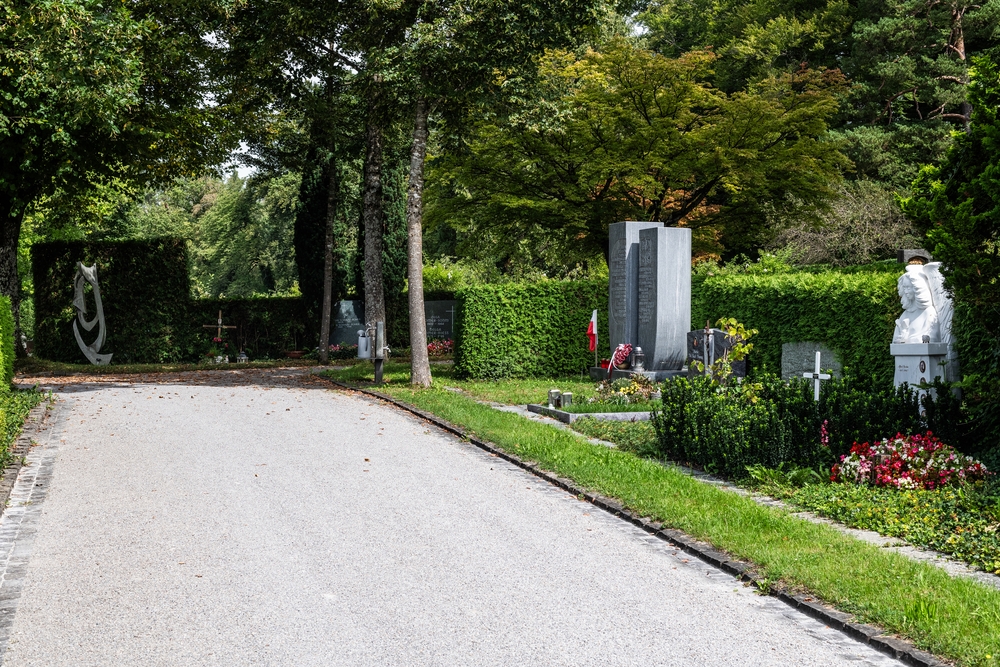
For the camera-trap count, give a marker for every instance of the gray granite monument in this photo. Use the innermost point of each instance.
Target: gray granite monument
(623, 279)
(718, 345)
(663, 291)
(799, 358)
(649, 294)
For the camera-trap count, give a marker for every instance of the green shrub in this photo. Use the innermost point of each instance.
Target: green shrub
(771, 423)
(528, 330)
(6, 344)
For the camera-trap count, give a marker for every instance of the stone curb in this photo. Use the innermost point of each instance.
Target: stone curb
(34, 423)
(897, 648)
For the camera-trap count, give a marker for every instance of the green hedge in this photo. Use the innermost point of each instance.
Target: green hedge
(6, 344)
(145, 289)
(266, 328)
(853, 313)
(150, 314)
(533, 330)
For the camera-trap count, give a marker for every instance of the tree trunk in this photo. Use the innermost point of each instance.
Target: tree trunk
(420, 367)
(958, 45)
(332, 204)
(10, 280)
(371, 214)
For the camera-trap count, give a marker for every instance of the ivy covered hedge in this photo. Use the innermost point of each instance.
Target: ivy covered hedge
(529, 330)
(6, 344)
(853, 313)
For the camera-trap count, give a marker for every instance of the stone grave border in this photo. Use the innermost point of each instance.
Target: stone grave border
(741, 570)
(570, 417)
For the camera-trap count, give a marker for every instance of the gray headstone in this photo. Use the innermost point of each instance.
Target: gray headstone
(799, 358)
(348, 317)
(623, 276)
(663, 289)
(440, 319)
(721, 344)
(908, 255)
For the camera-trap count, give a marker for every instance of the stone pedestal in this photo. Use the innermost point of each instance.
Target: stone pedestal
(919, 362)
(664, 296)
(623, 279)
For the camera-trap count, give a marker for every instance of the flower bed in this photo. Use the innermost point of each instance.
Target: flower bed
(440, 347)
(907, 462)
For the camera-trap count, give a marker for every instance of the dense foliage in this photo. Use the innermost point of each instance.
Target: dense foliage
(769, 422)
(532, 330)
(958, 205)
(961, 522)
(6, 343)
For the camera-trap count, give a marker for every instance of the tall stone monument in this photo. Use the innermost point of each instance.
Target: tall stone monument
(664, 296)
(649, 294)
(623, 281)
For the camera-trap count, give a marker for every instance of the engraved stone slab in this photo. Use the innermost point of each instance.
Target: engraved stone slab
(440, 317)
(348, 318)
(919, 362)
(664, 296)
(623, 276)
(721, 343)
(799, 358)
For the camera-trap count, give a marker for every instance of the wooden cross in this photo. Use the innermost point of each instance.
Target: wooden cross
(219, 326)
(816, 377)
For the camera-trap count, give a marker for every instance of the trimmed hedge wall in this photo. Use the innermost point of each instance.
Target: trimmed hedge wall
(6, 344)
(538, 330)
(150, 314)
(533, 330)
(145, 289)
(853, 313)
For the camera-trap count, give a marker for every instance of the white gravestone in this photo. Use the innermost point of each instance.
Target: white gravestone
(922, 340)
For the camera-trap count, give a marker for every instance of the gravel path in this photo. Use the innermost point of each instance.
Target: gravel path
(259, 518)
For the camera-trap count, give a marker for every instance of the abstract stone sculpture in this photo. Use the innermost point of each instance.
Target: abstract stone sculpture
(84, 275)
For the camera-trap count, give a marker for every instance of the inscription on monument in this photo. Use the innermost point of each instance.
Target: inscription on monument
(617, 273)
(647, 280)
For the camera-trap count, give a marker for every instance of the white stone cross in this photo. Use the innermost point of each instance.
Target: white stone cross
(816, 377)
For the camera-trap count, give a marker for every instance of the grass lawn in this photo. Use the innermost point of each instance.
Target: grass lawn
(951, 617)
(15, 404)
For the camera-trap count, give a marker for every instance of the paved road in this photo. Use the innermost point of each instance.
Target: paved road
(263, 519)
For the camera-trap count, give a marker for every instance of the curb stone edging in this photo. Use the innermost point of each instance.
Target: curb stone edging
(867, 634)
(34, 423)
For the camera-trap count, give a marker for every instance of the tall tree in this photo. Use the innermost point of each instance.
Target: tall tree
(628, 134)
(90, 92)
(457, 57)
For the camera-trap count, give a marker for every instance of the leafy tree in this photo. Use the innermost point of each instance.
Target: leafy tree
(91, 94)
(957, 204)
(628, 134)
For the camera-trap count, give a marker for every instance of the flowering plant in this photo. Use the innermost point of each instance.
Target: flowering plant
(343, 351)
(218, 348)
(634, 389)
(439, 348)
(907, 462)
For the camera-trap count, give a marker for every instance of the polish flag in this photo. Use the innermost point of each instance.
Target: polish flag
(592, 331)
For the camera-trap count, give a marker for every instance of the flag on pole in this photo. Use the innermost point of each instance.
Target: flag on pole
(592, 332)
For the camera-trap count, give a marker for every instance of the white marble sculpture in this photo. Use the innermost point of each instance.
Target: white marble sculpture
(942, 300)
(919, 322)
(84, 275)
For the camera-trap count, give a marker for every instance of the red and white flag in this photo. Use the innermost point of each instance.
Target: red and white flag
(592, 331)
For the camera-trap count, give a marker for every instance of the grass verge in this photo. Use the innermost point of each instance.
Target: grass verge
(951, 617)
(15, 404)
(591, 408)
